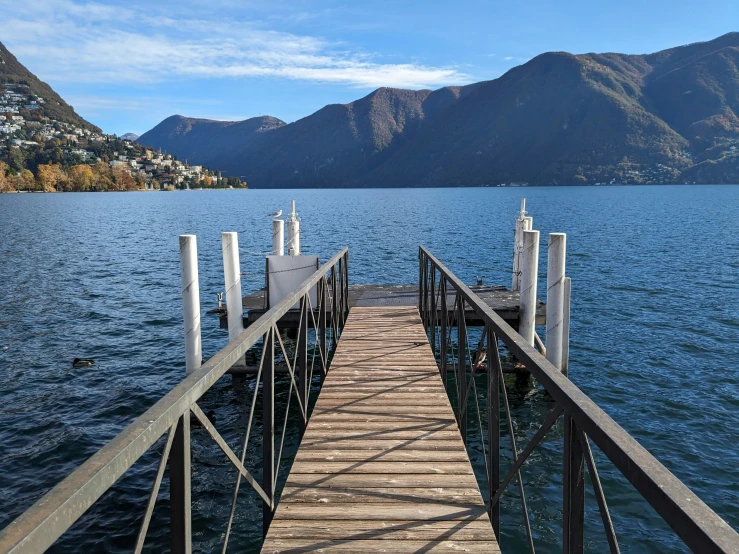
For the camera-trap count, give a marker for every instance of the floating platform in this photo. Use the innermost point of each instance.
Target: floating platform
(503, 301)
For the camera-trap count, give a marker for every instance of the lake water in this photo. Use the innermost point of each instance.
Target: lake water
(654, 341)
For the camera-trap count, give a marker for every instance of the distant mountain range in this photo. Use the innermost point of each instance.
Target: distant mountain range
(12, 72)
(557, 119)
(130, 136)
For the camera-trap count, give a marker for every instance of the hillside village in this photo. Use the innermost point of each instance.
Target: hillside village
(38, 153)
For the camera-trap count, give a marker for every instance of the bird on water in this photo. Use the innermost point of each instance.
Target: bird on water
(276, 214)
(82, 362)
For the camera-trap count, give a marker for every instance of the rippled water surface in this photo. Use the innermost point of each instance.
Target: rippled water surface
(655, 335)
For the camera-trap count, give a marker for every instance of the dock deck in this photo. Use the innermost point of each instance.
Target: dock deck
(382, 466)
(504, 301)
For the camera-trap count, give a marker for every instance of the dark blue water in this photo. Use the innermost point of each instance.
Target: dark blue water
(655, 334)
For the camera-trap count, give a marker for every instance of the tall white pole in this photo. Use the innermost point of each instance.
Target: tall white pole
(293, 233)
(566, 327)
(556, 255)
(191, 302)
(518, 246)
(278, 237)
(529, 275)
(232, 281)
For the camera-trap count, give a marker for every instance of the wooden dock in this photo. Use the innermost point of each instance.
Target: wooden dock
(382, 466)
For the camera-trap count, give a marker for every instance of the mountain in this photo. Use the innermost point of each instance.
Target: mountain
(560, 118)
(130, 136)
(15, 75)
(204, 141)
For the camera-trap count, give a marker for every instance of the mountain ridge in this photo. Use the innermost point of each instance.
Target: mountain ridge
(560, 118)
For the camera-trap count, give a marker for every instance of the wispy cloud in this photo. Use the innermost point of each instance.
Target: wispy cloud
(94, 42)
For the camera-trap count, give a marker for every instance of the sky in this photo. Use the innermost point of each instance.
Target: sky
(125, 66)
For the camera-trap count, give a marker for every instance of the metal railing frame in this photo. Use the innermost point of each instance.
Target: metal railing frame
(699, 527)
(49, 518)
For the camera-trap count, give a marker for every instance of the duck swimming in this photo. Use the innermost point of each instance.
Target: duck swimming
(82, 362)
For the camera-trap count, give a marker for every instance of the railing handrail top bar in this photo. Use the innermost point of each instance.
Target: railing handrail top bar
(702, 529)
(48, 518)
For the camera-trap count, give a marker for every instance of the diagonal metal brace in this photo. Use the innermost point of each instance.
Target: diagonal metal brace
(521, 458)
(229, 453)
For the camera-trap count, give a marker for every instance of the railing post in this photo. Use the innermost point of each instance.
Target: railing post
(268, 429)
(346, 287)
(433, 310)
(573, 481)
(493, 431)
(425, 311)
(444, 324)
(180, 508)
(420, 279)
(322, 324)
(303, 385)
(334, 310)
(462, 373)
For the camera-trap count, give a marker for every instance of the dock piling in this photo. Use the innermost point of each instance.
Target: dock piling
(293, 233)
(191, 302)
(529, 276)
(278, 237)
(556, 255)
(232, 280)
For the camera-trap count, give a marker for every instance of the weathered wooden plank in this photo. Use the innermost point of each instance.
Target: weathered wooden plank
(374, 480)
(393, 396)
(378, 444)
(412, 435)
(435, 425)
(382, 467)
(399, 455)
(476, 530)
(407, 418)
(382, 511)
(439, 411)
(349, 546)
(440, 495)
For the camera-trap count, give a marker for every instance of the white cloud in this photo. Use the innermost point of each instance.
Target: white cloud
(94, 42)
(508, 58)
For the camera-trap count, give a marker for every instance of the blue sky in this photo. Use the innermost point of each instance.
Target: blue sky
(125, 66)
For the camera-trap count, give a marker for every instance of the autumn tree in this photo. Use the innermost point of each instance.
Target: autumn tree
(51, 177)
(81, 177)
(24, 181)
(102, 176)
(122, 178)
(6, 184)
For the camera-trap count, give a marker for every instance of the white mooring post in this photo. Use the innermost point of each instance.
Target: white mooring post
(529, 275)
(518, 246)
(293, 233)
(278, 237)
(232, 281)
(566, 327)
(191, 302)
(556, 255)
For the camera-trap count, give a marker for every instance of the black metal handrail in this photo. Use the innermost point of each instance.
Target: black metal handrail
(44, 522)
(700, 528)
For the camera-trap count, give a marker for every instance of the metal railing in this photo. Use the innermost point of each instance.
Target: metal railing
(44, 522)
(699, 527)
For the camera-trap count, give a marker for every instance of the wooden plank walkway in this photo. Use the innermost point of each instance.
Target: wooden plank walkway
(382, 466)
